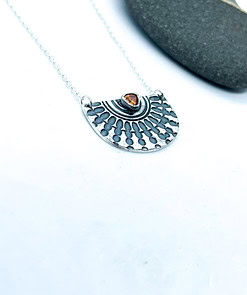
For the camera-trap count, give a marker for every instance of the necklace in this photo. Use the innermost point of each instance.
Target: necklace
(132, 122)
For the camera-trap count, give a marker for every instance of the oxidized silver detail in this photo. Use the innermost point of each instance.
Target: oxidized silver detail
(149, 128)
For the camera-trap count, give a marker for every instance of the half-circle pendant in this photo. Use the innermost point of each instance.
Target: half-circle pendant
(133, 123)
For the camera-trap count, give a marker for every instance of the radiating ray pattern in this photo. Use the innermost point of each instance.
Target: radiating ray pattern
(153, 127)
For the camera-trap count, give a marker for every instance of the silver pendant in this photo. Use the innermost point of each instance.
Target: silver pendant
(133, 123)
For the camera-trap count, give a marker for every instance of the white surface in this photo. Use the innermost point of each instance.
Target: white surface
(242, 4)
(80, 217)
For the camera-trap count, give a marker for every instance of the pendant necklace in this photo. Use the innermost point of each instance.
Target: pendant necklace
(132, 122)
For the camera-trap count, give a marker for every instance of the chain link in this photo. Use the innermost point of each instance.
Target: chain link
(50, 58)
(57, 67)
(121, 48)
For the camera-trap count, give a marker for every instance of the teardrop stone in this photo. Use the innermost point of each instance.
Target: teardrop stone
(132, 99)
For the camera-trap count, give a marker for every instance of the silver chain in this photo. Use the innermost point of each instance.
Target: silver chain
(56, 66)
(51, 59)
(121, 48)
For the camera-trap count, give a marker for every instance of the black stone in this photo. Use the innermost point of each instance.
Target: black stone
(207, 36)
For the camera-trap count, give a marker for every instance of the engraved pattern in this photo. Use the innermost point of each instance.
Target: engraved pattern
(150, 128)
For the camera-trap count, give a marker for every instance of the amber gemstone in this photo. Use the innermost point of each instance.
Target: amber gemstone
(132, 99)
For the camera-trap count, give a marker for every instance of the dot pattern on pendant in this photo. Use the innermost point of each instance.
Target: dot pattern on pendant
(152, 128)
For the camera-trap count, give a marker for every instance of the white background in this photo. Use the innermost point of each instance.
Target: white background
(242, 4)
(80, 217)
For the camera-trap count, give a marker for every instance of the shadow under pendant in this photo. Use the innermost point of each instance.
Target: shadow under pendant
(134, 123)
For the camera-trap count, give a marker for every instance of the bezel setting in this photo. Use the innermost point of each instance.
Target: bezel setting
(128, 105)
